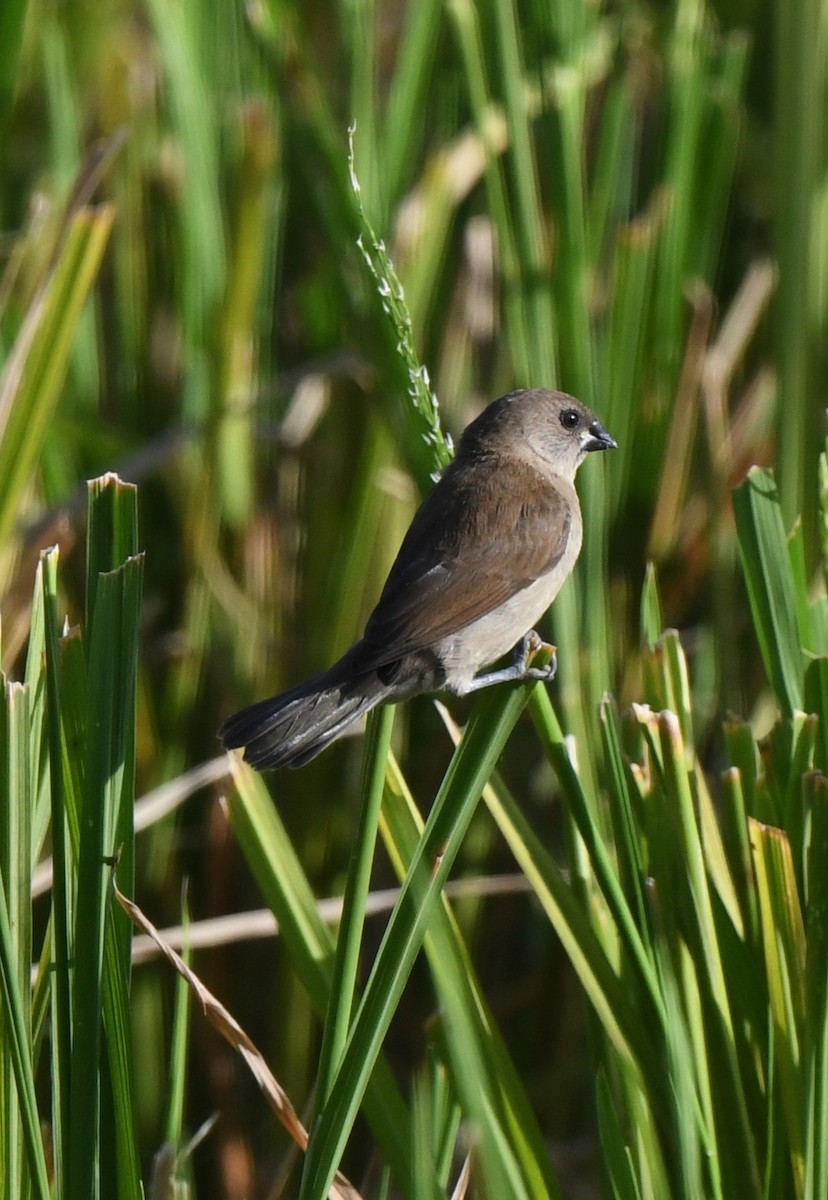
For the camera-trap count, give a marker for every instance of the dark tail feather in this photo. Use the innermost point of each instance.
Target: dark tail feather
(292, 728)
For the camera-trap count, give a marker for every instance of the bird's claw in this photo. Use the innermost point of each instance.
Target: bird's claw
(547, 673)
(526, 649)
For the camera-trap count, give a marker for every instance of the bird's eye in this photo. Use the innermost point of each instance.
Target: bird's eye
(570, 419)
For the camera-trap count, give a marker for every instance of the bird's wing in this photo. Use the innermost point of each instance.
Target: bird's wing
(471, 547)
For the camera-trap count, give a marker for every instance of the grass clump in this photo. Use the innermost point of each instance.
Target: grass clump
(605, 201)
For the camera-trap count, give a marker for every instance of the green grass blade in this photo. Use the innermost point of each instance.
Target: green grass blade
(447, 824)
(815, 1049)
(111, 534)
(17, 1048)
(246, 271)
(402, 128)
(101, 944)
(62, 866)
(626, 1027)
(35, 679)
(35, 368)
(284, 885)
(112, 654)
(537, 309)
(614, 1146)
(783, 938)
(121, 1116)
(349, 941)
(487, 120)
(513, 1156)
(766, 566)
(799, 163)
(582, 814)
(16, 804)
(23, 1155)
(630, 857)
(174, 1125)
(12, 19)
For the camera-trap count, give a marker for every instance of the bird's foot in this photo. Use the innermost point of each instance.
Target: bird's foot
(527, 648)
(520, 670)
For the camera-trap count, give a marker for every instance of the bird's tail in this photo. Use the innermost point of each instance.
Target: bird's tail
(292, 728)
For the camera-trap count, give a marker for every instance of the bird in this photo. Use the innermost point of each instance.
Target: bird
(484, 557)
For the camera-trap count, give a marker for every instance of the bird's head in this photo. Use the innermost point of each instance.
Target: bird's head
(538, 424)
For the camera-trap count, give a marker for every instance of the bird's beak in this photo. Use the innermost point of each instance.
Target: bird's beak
(599, 439)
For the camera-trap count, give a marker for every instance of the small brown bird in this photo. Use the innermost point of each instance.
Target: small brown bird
(485, 556)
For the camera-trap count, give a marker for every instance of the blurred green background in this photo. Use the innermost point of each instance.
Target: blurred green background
(625, 200)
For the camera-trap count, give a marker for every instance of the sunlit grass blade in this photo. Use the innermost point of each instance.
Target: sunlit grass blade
(626, 1028)
(35, 678)
(342, 995)
(174, 1126)
(631, 866)
(701, 976)
(35, 368)
(783, 939)
(735, 836)
(679, 788)
(16, 804)
(444, 832)
(422, 1137)
(667, 684)
(690, 1124)
(310, 944)
(580, 811)
(119, 1124)
(513, 1156)
(281, 879)
(815, 1048)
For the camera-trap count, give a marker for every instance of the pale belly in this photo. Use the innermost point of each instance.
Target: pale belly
(464, 653)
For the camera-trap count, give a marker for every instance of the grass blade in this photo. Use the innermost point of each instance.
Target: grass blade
(346, 962)
(286, 890)
(766, 566)
(446, 826)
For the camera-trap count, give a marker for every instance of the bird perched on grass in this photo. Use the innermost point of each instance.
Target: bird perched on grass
(484, 557)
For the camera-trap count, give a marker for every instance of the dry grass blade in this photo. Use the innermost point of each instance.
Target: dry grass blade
(98, 160)
(261, 923)
(463, 1180)
(228, 1027)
